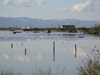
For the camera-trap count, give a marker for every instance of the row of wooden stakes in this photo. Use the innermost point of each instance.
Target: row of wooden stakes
(25, 51)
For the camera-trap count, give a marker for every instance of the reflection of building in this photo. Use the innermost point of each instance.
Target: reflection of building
(67, 26)
(67, 35)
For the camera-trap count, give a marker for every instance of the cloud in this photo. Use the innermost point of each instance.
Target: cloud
(39, 56)
(24, 2)
(40, 2)
(22, 58)
(89, 5)
(6, 56)
(62, 10)
(19, 57)
(6, 2)
(97, 5)
(80, 52)
(21, 2)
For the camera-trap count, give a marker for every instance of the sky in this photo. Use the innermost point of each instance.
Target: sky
(51, 9)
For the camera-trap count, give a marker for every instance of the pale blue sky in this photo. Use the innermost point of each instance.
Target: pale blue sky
(51, 9)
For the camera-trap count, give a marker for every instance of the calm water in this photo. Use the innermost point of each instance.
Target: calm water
(38, 57)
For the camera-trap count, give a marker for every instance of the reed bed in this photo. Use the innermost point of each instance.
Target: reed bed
(91, 66)
(6, 73)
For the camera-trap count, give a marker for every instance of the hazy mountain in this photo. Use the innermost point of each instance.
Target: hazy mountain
(24, 21)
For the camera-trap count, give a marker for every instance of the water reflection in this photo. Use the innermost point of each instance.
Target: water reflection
(53, 50)
(75, 50)
(59, 53)
(25, 51)
(38, 36)
(19, 57)
(67, 35)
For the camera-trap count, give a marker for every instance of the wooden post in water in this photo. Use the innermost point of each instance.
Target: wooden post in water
(11, 45)
(25, 51)
(53, 50)
(75, 50)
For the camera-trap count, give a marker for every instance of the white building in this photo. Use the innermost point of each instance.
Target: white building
(67, 26)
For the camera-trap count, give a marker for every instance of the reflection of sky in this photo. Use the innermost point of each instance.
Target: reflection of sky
(39, 54)
(27, 36)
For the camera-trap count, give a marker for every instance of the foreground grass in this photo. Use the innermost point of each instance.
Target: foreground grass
(92, 67)
(37, 73)
(6, 73)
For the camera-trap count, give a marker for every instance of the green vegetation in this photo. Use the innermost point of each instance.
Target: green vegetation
(93, 30)
(92, 67)
(42, 29)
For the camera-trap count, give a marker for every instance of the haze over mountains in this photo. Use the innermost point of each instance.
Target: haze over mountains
(40, 23)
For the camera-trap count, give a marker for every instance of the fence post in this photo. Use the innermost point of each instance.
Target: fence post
(53, 50)
(11, 45)
(25, 51)
(75, 50)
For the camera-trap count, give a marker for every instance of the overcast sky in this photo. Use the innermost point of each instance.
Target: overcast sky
(51, 9)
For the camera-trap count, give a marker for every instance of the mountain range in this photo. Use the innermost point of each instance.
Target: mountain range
(40, 23)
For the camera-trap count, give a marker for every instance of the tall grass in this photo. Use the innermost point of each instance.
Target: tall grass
(6, 73)
(9, 72)
(91, 66)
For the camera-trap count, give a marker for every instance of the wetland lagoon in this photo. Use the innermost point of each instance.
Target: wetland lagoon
(40, 53)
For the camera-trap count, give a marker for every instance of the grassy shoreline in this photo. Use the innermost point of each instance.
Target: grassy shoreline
(93, 30)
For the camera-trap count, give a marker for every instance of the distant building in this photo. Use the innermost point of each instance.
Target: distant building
(67, 26)
(26, 28)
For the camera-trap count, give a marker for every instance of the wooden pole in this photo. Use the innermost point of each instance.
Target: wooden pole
(53, 50)
(25, 51)
(75, 50)
(11, 45)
